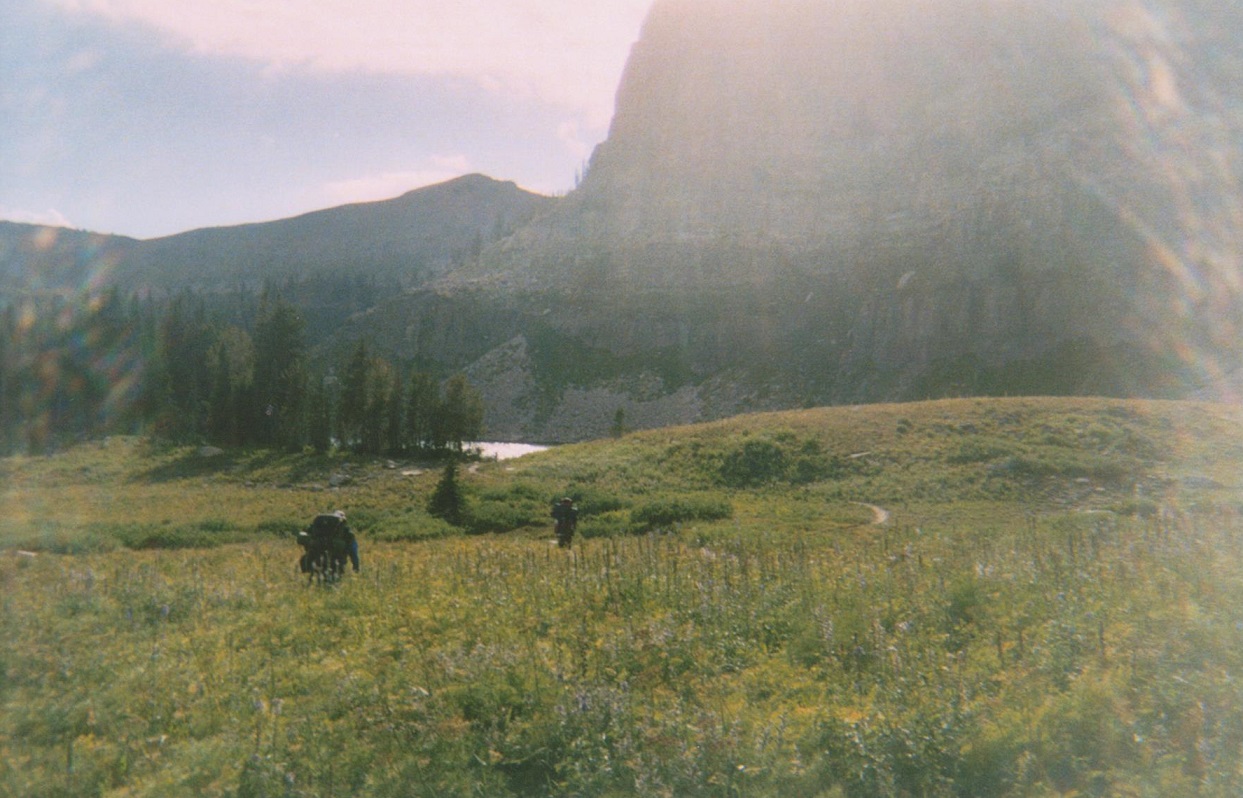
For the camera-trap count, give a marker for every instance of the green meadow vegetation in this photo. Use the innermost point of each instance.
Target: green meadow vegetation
(1005, 597)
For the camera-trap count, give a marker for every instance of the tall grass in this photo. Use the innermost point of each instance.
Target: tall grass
(1009, 632)
(1060, 655)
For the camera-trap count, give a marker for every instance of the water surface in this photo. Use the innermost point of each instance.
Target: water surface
(504, 451)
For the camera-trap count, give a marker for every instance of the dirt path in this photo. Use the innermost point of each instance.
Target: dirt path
(879, 514)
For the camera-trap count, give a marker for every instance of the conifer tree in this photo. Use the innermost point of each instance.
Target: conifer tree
(280, 372)
(319, 416)
(447, 501)
(375, 416)
(231, 361)
(394, 430)
(351, 414)
(422, 399)
(461, 413)
(365, 413)
(182, 382)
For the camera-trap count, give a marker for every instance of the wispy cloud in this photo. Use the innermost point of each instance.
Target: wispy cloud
(50, 217)
(567, 52)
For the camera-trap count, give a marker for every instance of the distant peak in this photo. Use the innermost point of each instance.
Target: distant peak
(474, 178)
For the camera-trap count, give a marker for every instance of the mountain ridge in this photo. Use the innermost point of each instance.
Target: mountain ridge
(37, 259)
(414, 237)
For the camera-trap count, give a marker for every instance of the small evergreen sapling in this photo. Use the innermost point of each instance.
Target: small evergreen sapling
(447, 501)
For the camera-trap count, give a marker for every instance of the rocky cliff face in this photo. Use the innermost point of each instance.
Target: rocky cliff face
(851, 126)
(888, 199)
(819, 125)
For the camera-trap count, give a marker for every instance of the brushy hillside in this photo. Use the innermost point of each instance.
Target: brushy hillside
(962, 598)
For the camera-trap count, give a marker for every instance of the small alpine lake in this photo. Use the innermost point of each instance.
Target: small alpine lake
(503, 451)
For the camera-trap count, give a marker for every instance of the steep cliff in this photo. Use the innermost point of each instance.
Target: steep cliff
(889, 199)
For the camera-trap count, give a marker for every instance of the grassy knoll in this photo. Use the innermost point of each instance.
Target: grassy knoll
(1053, 607)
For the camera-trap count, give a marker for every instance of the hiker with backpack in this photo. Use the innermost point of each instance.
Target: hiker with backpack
(327, 543)
(566, 516)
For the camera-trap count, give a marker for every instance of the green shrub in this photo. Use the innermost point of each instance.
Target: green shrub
(667, 512)
(361, 517)
(1141, 507)
(980, 450)
(412, 527)
(605, 525)
(484, 517)
(591, 501)
(505, 509)
(448, 501)
(1071, 465)
(517, 492)
(168, 536)
(754, 463)
(783, 459)
(279, 527)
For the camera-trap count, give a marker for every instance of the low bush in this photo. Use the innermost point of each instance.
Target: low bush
(483, 517)
(204, 535)
(980, 450)
(754, 463)
(605, 525)
(410, 527)
(591, 501)
(668, 512)
(280, 527)
(785, 459)
(1072, 464)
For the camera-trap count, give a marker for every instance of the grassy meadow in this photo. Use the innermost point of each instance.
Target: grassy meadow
(1022, 597)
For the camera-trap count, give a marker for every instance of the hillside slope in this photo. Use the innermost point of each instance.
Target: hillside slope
(411, 239)
(1051, 607)
(54, 260)
(970, 458)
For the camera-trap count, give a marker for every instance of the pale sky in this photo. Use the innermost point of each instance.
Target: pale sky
(151, 117)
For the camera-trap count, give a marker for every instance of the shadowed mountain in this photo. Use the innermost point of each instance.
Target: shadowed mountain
(416, 237)
(809, 202)
(55, 260)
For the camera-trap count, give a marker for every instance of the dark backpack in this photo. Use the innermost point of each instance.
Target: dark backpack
(325, 527)
(327, 543)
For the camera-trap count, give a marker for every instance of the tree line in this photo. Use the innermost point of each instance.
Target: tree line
(234, 371)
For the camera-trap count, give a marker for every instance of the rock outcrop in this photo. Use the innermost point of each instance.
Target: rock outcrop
(859, 201)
